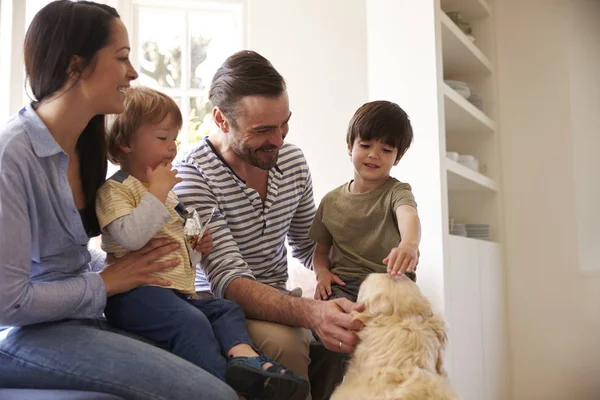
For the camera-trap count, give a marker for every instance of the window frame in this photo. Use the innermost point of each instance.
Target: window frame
(130, 15)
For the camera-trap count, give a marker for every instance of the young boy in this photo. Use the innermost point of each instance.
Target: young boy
(137, 204)
(370, 224)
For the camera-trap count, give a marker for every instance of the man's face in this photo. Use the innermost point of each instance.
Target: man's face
(262, 125)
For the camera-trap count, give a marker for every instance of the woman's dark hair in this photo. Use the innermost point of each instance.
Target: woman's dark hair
(59, 32)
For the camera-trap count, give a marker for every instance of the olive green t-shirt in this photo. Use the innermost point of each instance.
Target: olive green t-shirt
(362, 228)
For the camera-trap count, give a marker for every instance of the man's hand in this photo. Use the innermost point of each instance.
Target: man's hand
(402, 259)
(324, 280)
(335, 325)
(161, 180)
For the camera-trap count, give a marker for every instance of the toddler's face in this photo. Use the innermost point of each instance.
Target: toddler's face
(154, 144)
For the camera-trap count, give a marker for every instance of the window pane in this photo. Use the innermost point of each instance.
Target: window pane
(160, 34)
(200, 120)
(214, 36)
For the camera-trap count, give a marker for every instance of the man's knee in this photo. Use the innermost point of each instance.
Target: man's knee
(284, 344)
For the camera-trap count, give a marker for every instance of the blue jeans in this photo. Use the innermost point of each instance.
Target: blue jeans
(90, 355)
(200, 331)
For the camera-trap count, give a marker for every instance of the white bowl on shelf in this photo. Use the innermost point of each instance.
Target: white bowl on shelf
(459, 87)
(452, 155)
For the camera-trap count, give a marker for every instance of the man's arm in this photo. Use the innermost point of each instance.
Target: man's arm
(263, 302)
(303, 246)
(332, 320)
(225, 262)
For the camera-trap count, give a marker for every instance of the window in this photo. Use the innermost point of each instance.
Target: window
(177, 47)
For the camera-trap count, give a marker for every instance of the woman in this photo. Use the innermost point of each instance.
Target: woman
(52, 161)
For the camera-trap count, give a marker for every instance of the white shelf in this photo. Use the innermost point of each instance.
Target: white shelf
(463, 179)
(460, 56)
(470, 10)
(462, 116)
(475, 240)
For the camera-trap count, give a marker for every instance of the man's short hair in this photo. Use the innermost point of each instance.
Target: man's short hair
(245, 73)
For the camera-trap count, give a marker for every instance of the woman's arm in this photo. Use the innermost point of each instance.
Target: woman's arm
(23, 302)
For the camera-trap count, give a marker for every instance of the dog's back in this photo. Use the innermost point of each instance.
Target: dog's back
(400, 355)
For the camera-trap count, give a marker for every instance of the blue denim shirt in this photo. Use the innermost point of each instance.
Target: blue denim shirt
(46, 270)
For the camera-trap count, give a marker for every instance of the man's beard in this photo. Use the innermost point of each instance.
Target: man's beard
(251, 156)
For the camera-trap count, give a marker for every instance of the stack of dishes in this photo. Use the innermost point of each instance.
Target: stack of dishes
(459, 87)
(478, 231)
(457, 229)
(469, 161)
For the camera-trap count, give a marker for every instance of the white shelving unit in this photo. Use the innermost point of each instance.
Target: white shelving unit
(471, 10)
(413, 47)
(463, 179)
(462, 116)
(460, 55)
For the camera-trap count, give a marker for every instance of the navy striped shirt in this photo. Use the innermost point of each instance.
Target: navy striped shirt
(249, 236)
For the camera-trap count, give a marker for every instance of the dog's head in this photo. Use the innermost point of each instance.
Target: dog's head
(396, 304)
(386, 295)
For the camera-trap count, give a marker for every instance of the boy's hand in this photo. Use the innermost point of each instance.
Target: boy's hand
(205, 244)
(161, 180)
(324, 281)
(402, 259)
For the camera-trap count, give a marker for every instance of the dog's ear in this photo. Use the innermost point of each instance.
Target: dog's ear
(437, 325)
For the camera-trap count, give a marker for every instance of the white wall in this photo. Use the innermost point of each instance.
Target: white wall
(12, 23)
(554, 310)
(402, 67)
(585, 117)
(320, 49)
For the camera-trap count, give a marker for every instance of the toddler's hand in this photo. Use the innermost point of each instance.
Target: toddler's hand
(161, 180)
(402, 259)
(324, 281)
(205, 244)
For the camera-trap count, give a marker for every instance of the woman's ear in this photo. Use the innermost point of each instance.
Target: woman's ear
(75, 67)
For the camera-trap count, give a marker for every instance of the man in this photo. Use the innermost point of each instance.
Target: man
(262, 191)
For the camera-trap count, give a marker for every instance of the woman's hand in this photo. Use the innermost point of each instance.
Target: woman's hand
(134, 269)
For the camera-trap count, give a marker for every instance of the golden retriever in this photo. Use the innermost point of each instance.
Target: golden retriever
(400, 354)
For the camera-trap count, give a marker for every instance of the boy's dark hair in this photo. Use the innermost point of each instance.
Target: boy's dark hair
(381, 120)
(245, 73)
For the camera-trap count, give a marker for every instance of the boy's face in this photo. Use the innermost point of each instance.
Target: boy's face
(152, 145)
(372, 159)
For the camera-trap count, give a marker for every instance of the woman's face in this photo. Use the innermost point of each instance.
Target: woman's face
(104, 81)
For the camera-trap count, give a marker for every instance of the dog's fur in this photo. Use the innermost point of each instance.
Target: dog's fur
(400, 354)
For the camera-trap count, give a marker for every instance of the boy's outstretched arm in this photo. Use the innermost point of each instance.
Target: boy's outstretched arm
(405, 257)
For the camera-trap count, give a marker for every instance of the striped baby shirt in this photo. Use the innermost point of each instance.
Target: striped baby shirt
(124, 196)
(249, 236)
